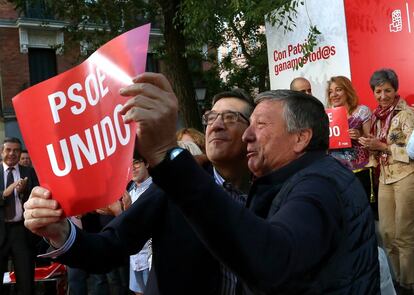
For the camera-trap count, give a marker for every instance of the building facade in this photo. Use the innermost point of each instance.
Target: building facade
(32, 49)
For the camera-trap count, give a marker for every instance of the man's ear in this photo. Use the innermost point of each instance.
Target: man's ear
(302, 140)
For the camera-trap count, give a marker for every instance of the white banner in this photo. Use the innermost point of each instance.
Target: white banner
(329, 58)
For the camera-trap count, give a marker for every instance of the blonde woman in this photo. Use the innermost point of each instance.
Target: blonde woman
(193, 135)
(340, 92)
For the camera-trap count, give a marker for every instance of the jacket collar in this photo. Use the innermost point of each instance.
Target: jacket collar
(265, 188)
(279, 176)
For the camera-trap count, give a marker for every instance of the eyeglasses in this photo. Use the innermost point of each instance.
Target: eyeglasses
(227, 117)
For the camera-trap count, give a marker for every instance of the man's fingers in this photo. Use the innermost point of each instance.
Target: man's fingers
(139, 102)
(136, 114)
(154, 78)
(148, 90)
(40, 192)
(35, 203)
(40, 213)
(38, 223)
(154, 106)
(101, 211)
(38, 218)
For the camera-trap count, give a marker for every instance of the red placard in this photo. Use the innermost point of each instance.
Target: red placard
(338, 128)
(71, 125)
(380, 35)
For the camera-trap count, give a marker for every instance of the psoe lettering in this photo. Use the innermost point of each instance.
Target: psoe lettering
(92, 88)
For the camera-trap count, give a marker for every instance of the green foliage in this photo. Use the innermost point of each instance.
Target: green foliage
(199, 22)
(240, 22)
(310, 44)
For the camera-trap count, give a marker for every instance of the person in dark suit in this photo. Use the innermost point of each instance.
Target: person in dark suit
(181, 263)
(16, 183)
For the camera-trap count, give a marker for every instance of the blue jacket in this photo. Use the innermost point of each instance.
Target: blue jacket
(308, 228)
(181, 263)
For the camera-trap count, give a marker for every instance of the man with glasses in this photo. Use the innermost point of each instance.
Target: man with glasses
(181, 262)
(139, 265)
(225, 125)
(228, 117)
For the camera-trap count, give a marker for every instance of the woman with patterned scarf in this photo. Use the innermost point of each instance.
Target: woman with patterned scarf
(392, 123)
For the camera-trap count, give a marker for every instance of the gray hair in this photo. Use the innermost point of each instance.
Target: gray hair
(302, 111)
(383, 76)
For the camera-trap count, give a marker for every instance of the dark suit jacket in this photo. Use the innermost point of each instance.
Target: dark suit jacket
(181, 263)
(31, 183)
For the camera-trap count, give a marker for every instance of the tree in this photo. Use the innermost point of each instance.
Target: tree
(241, 22)
(177, 63)
(186, 25)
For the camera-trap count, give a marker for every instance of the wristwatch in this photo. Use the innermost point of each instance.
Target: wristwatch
(173, 153)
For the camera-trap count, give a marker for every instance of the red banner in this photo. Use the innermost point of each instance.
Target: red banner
(72, 128)
(380, 35)
(338, 128)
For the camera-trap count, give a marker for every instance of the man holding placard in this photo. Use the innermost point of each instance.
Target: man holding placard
(181, 262)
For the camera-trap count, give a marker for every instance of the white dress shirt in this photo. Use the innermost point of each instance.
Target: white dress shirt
(18, 202)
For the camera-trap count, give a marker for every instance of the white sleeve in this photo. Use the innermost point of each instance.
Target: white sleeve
(410, 146)
(65, 247)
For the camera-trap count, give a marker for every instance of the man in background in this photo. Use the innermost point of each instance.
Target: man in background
(16, 183)
(139, 265)
(25, 159)
(302, 85)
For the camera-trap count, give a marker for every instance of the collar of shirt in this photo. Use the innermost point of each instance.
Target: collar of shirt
(16, 172)
(142, 186)
(217, 177)
(229, 188)
(5, 167)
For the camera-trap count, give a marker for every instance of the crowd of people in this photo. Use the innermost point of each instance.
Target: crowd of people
(258, 204)
(380, 158)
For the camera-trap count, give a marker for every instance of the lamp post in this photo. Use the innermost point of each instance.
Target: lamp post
(200, 97)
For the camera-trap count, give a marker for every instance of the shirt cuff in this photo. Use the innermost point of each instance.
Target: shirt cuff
(65, 247)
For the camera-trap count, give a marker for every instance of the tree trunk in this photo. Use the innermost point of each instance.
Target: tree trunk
(177, 65)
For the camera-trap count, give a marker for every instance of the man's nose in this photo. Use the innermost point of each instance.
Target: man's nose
(218, 123)
(248, 135)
